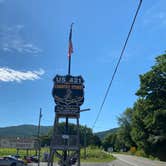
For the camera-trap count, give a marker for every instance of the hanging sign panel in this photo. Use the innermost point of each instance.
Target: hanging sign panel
(68, 91)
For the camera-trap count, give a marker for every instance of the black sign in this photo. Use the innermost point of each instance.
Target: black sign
(68, 91)
(69, 111)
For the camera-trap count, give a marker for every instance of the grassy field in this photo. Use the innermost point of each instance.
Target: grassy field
(93, 154)
(10, 151)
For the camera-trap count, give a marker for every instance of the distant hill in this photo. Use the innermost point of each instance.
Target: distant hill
(31, 130)
(23, 131)
(102, 134)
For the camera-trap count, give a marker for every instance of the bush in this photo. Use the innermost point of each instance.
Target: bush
(140, 153)
(133, 150)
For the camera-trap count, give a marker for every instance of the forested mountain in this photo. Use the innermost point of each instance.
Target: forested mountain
(31, 130)
(103, 134)
(23, 131)
(46, 133)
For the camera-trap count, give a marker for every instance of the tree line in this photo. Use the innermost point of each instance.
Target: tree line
(143, 126)
(87, 137)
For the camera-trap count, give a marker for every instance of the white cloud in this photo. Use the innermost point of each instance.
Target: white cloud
(10, 75)
(12, 40)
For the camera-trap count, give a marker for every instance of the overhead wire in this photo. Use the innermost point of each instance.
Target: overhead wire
(117, 65)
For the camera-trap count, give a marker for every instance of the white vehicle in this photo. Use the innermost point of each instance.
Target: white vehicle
(11, 161)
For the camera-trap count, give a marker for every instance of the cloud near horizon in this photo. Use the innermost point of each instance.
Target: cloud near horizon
(12, 40)
(10, 75)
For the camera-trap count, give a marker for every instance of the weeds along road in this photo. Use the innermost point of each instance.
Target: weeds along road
(122, 160)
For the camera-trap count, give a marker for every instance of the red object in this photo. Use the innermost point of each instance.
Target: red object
(70, 51)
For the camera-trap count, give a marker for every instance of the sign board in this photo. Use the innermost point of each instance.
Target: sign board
(68, 91)
(65, 136)
(18, 143)
(110, 149)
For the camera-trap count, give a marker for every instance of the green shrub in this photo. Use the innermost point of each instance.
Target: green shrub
(133, 150)
(140, 153)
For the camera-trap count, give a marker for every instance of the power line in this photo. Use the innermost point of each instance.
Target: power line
(116, 68)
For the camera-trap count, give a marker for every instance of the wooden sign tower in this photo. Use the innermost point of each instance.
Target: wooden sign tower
(68, 94)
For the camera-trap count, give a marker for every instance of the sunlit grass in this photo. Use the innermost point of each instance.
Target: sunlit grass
(93, 154)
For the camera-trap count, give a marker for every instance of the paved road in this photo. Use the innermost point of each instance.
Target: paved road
(137, 161)
(122, 160)
(82, 164)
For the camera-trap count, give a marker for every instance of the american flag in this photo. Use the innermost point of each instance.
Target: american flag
(70, 51)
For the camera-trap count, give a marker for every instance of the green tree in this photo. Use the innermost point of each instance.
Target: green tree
(140, 131)
(153, 84)
(112, 140)
(45, 140)
(95, 141)
(109, 141)
(91, 139)
(124, 132)
(149, 115)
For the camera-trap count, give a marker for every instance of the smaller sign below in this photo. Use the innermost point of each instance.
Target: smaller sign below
(65, 136)
(110, 149)
(67, 108)
(67, 111)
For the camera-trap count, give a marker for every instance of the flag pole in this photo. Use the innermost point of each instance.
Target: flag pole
(69, 66)
(70, 51)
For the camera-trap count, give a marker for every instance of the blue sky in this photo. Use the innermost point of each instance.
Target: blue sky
(34, 45)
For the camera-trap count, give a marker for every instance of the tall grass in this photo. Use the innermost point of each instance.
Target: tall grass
(95, 154)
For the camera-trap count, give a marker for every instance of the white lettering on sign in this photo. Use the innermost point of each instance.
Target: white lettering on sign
(61, 79)
(71, 80)
(65, 136)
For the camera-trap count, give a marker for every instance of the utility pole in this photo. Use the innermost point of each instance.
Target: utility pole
(38, 136)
